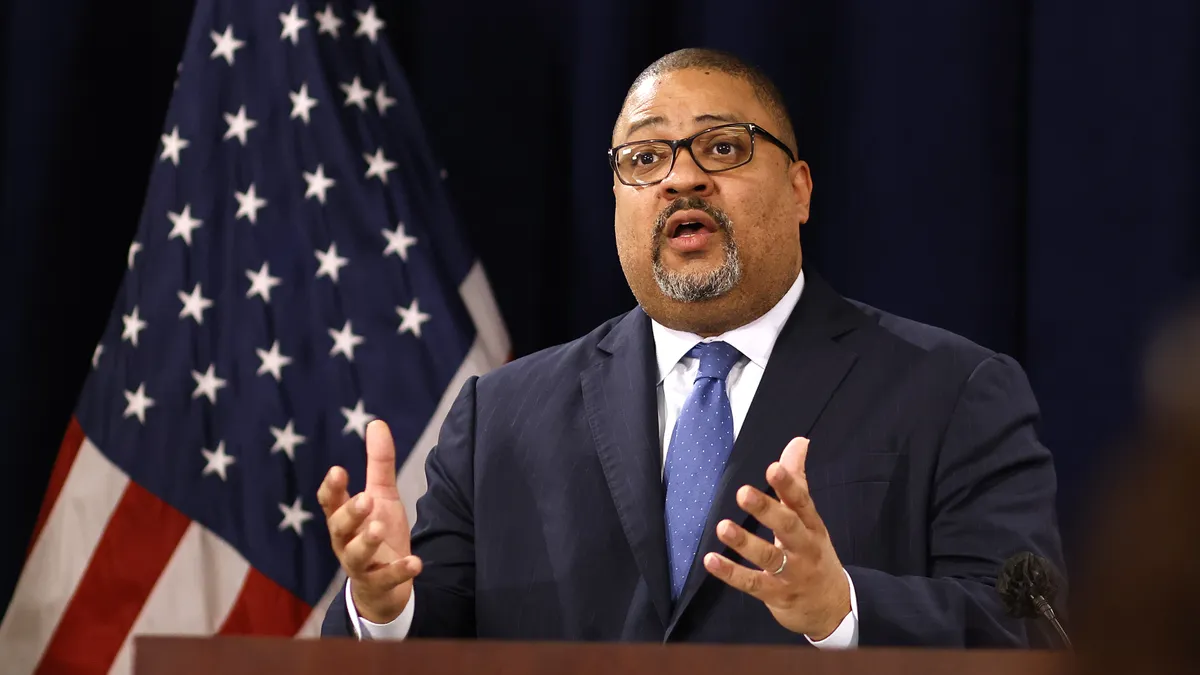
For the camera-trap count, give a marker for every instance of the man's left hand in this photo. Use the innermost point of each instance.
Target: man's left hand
(801, 580)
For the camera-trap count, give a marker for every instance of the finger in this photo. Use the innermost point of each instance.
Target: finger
(346, 522)
(381, 460)
(332, 493)
(781, 520)
(793, 493)
(755, 549)
(388, 576)
(753, 582)
(360, 554)
(794, 457)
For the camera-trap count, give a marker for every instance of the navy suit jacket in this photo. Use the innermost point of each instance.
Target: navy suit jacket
(544, 514)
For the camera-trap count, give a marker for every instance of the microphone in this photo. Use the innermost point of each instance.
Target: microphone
(1026, 583)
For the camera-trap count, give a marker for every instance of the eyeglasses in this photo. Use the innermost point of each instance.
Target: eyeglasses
(641, 163)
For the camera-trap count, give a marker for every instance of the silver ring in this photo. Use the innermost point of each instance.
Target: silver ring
(781, 566)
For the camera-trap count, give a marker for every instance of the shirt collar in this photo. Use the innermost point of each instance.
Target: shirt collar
(754, 340)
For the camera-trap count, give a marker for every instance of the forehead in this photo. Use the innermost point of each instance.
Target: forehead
(683, 101)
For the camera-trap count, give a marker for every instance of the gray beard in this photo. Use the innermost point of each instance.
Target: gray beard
(684, 287)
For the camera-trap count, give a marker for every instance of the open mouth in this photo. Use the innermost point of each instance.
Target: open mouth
(689, 223)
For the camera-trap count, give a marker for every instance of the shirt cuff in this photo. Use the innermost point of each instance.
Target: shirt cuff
(846, 634)
(396, 629)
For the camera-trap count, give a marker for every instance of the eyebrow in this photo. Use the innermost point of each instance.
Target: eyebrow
(659, 119)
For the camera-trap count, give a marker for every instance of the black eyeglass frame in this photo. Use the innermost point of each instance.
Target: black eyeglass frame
(753, 129)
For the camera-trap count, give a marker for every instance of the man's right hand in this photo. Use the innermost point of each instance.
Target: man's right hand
(370, 533)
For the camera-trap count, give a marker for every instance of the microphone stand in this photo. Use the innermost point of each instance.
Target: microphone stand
(1047, 611)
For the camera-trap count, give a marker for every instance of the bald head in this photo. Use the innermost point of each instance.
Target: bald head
(713, 60)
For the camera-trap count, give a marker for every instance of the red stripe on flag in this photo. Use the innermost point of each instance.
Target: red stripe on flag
(67, 452)
(265, 608)
(141, 536)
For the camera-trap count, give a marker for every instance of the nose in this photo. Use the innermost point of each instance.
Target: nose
(686, 179)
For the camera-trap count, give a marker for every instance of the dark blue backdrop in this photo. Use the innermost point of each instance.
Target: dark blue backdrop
(1024, 173)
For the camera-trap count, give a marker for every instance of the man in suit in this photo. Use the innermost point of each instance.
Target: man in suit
(744, 457)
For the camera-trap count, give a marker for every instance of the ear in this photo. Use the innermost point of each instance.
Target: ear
(802, 186)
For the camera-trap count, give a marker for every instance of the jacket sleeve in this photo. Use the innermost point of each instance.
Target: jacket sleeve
(444, 532)
(993, 496)
(337, 618)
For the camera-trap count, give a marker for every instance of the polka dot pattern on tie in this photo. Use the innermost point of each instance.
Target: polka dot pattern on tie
(700, 446)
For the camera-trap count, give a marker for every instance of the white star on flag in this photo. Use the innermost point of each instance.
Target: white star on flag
(96, 356)
(137, 403)
(411, 318)
(330, 23)
(207, 383)
(378, 166)
(224, 45)
(331, 263)
(369, 24)
(286, 440)
(356, 93)
(248, 204)
(172, 145)
(133, 325)
(344, 342)
(382, 100)
(183, 224)
(357, 420)
(217, 460)
(261, 282)
(302, 103)
(398, 242)
(134, 247)
(318, 184)
(194, 304)
(239, 125)
(294, 516)
(272, 361)
(292, 23)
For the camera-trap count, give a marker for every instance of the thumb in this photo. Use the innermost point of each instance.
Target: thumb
(381, 459)
(794, 456)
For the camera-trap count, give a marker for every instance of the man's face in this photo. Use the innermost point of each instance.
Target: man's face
(706, 252)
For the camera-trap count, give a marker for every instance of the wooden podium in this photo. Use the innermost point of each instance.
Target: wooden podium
(265, 656)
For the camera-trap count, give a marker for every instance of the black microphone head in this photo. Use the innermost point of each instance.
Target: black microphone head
(1024, 577)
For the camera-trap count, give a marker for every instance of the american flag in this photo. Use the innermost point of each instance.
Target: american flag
(296, 273)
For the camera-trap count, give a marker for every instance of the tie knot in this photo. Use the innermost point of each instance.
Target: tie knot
(716, 359)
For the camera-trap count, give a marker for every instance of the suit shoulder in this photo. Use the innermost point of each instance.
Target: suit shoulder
(945, 358)
(949, 361)
(927, 338)
(551, 363)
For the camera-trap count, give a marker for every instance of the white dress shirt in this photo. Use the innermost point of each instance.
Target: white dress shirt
(676, 375)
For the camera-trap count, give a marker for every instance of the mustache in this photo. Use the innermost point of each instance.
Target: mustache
(689, 203)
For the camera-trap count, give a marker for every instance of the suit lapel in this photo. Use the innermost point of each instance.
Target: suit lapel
(620, 398)
(805, 369)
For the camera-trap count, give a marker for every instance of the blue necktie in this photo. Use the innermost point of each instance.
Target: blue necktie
(700, 444)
